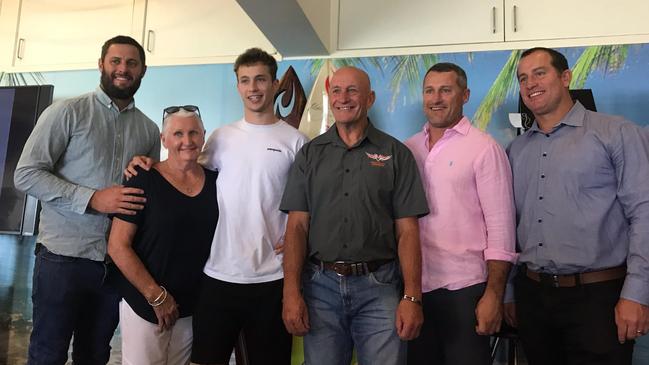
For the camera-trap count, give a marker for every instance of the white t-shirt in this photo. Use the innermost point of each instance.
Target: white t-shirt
(253, 163)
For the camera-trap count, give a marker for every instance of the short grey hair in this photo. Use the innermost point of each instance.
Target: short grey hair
(184, 114)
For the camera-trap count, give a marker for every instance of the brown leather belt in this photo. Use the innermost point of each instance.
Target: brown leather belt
(572, 280)
(343, 268)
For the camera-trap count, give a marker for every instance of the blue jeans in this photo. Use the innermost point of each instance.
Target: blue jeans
(70, 297)
(348, 311)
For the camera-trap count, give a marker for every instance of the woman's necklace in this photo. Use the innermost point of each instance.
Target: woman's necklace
(187, 185)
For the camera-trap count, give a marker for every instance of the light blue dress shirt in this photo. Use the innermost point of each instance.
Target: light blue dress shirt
(582, 198)
(78, 146)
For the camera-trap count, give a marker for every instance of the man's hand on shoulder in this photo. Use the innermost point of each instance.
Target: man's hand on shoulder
(117, 199)
(632, 319)
(141, 161)
(410, 318)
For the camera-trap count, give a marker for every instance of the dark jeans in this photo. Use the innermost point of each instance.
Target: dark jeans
(448, 335)
(570, 326)
(70, 297)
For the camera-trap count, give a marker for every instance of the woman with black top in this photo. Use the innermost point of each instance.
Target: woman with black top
(161, 250)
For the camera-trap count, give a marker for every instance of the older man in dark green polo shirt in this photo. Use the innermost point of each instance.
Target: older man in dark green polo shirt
(353, 197)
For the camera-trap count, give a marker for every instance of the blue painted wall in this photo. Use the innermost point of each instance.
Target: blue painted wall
(624, 91)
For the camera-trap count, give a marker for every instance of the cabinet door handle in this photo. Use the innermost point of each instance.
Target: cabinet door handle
(150, 41)
(515, 22)
(493, 20)
(21, 49)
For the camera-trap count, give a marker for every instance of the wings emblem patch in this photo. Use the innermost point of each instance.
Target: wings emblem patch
(377, 160)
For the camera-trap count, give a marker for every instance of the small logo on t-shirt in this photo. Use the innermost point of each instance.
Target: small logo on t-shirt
(273, 149)
(377, 159)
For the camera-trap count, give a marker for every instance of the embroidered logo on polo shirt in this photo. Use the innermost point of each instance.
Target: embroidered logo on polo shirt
(273, 149)
(377, 159)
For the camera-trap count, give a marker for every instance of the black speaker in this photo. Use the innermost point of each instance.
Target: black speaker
(20, 107)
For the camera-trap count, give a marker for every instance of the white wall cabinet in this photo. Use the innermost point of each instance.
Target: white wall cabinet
(61, 34)
(50, 35)
(557, 19)
(199, 31)
(388, 23)
(364, 26)
(46, 35)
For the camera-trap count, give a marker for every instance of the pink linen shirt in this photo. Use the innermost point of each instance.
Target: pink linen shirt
(468, 184)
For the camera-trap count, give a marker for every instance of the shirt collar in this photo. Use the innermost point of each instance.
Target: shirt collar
(574, 118)
(461, 128)
(331, 136)
(108, 102)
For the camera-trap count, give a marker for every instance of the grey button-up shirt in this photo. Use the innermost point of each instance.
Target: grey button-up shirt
(78, 146)
(582, 198)
(354, 194)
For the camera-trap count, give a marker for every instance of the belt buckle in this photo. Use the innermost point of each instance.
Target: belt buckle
(339, 268)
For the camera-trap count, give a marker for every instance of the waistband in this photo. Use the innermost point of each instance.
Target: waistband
(572, 280)
(343, 268)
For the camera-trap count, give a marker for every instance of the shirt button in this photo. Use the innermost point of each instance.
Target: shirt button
(547, 135)
(345, 245)
(540, 243)
(345, 220)
(542, 176)
(346, 194)
(346, 170)
(540, 220)
(540, 198)
(545, 154)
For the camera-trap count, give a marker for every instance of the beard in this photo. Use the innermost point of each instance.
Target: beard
(119, 93)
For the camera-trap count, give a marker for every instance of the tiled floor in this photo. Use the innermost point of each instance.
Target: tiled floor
(16, 267)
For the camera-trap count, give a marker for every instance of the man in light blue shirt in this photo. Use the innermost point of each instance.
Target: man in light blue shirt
(582, 202)
(73, 163)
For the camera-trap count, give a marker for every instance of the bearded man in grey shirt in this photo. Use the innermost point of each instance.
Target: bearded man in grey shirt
(73, 163)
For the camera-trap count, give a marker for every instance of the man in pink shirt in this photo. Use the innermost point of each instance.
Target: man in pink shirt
(467, 240)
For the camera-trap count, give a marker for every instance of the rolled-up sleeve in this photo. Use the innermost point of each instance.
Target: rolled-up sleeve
(494, 187)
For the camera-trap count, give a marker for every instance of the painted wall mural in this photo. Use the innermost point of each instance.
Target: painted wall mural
(618, 76)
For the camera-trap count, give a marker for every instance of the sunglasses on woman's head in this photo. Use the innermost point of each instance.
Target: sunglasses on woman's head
(176, 108)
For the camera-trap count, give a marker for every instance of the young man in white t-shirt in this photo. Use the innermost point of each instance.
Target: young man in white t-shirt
(243, 282)
(242, 288)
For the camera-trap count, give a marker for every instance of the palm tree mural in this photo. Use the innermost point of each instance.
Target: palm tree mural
(603, 58)
(409, 70)
(406, 69)
(21, 78)
(364, 63)
(503, 86)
